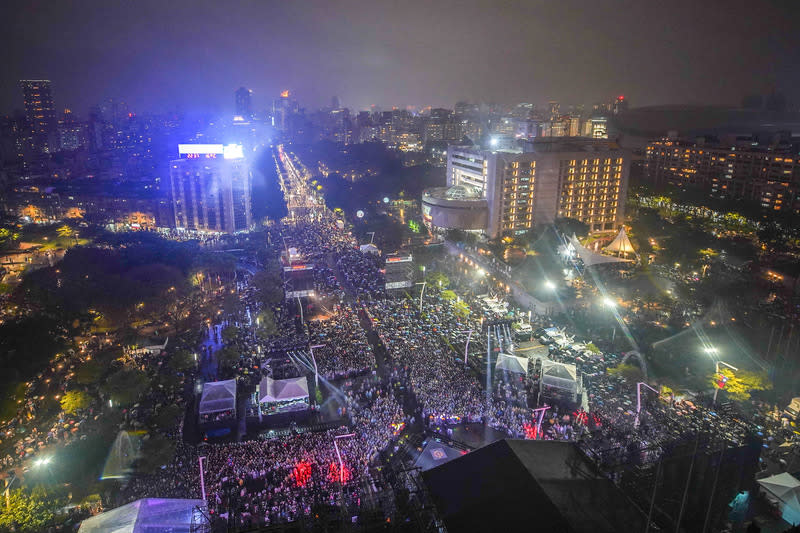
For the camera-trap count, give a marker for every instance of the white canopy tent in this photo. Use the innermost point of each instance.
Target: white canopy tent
(511, 363)
(589, 257)
(621, 244)
(784, 490)
(369, 249)
(282, 390)
(218, 396)
(560, 376)
(149, 515)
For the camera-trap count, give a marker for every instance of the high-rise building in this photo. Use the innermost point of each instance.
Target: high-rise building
(769, 175)
(584, 179)
(211, 188)
(244, 103)
(40, 111)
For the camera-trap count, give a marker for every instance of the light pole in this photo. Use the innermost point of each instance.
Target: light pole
(8, 490)
(466, 348)
(314, 360)
(716, 389)
(539, 417)
(639, 399)
(339, 455)
(202, 478)
(421, 293)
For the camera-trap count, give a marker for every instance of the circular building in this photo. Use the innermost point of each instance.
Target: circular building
(458, 207)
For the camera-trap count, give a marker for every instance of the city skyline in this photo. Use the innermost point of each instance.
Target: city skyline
(166, 57)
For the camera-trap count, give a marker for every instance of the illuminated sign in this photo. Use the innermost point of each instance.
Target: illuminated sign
(211, 151)
(285, 94)
(402, 259)
(398, 285)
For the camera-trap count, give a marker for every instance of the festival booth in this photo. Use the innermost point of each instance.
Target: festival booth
(511, 363)
(150, 515)
(218, 401)
(559, 380)
(783, 491)
(369, 249)
(282, 395)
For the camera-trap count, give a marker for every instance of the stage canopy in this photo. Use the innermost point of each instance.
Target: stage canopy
(621, 244)
(512, 363)
(560, 376)
(589, 257)
(369, 249)
(218, 396)
(784, 489)
(148, 515)
(283, 390)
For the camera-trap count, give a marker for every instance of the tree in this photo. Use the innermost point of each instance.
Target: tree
(125, 386)
(229, 334)
(568, 226)
(227, 356)
(448, 295)
(592, 348)
(269, 285)
(266, 323)
(182, 361)
(90, 372)
(438, 279)
(167, 417)
(741, 383)
(628, 372)
(156, 452)
(75, 400)
(27, 511)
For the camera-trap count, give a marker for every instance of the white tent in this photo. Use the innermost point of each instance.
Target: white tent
(512, 363)
(559, 376)
(621, 244)
(149, 515)
(218, 396)
(283, 390)
(589, 257)
(784, 490)
(369, 249)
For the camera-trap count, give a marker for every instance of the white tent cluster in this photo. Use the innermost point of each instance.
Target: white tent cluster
(148, 516)
(561, 376)
(621, 244)
(784, 491)
(283, 390)
(589, 258)
(512, 363)
(218, 396)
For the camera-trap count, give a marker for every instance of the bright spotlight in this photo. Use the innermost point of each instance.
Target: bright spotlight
(710, 349)
(549, 285)
(608, 302)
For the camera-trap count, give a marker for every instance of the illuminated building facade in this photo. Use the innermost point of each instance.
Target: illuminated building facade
(244, 103)
(584, 179)
(770, 177)
(40, 112)
(211, 188)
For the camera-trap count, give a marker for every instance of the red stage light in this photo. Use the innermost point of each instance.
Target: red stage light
(301, 473)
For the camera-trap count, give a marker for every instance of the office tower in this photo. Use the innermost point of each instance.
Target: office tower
(599, 127)
(244, 103)
(555, 109)
(584, 179)
(767, 174)
(620, 105)
(211, 187)
(41, 113)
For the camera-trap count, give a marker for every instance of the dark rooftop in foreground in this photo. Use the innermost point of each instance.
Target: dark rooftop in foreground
(515, 485)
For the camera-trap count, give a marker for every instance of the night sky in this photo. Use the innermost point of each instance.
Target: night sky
(191, 55)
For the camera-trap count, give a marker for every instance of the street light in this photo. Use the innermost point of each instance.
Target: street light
(314, 360)
(639, 399)
(608, 302)
(711, 349)
(716, 389)
(421, 293)
(339, 455)
(550, 285)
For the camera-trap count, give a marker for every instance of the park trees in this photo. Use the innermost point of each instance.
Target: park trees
(740, 384)
(75, 400)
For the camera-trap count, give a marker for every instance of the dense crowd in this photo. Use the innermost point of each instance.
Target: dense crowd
(343, 347)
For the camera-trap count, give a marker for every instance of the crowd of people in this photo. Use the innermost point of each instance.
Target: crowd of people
(343, 349)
